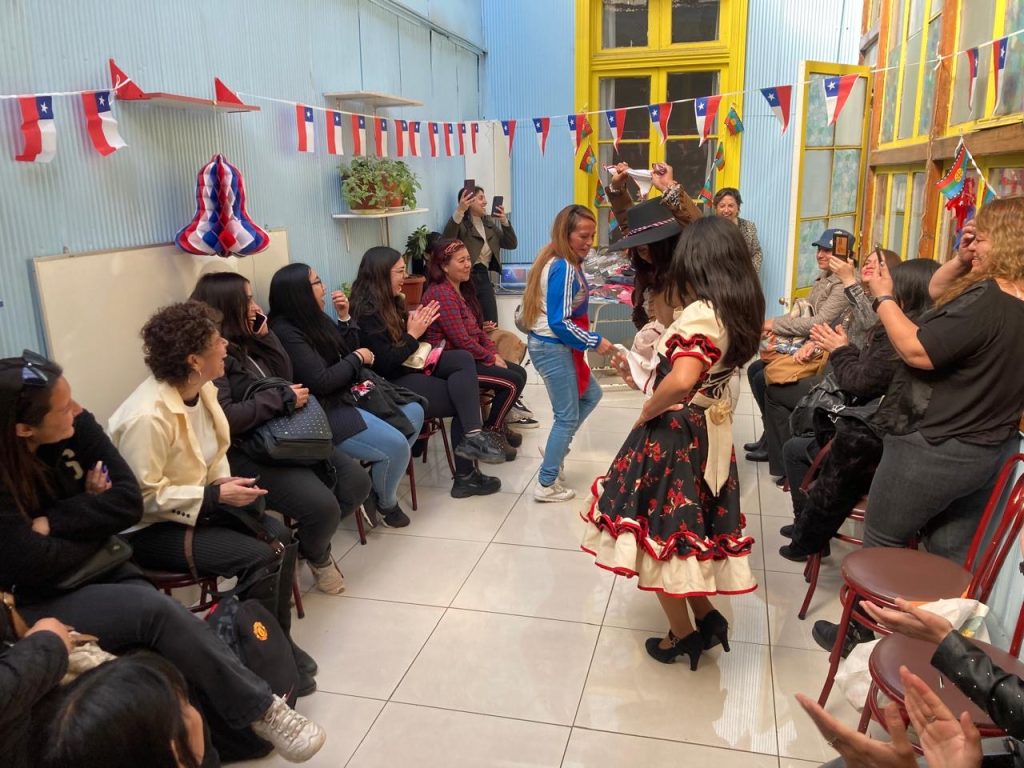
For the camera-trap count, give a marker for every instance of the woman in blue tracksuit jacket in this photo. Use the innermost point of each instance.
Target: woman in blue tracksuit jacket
(555, 311)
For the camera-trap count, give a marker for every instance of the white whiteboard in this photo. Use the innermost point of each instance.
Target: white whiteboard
(94, 305)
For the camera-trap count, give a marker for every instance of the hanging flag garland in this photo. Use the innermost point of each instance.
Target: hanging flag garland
(576, 130)
(705, 111)
(972, 75)
(778, 98)
(414, 138)
(706, 194)
(100, 122)
(733, 124)
(380, 136)
(449, 130)
(837, 91)
(358, 135)
(542, 125)
(432, 132)
(335, 145)
(998, 65)
(508, 130)
(600, 197)
(588, 161)
(952, 184)
(401, 128)
(462, 138)
(38, 128)
(720, 157)
(660, 114)
(616, 124)
(304, 127)
(474, 130)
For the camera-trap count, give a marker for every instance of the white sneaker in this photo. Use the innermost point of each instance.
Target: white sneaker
(329, 578)
(295, 737)
(554, 492)
(561, 467)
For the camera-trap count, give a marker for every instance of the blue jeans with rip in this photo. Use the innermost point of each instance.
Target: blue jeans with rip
(554, 363)
(387, 450)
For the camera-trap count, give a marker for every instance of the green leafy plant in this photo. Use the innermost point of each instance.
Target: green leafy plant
(363, 183)
(405, 181)
(416, 250)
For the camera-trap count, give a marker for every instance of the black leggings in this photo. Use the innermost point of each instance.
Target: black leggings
(506, 384)
(451, 390)
(481, 277)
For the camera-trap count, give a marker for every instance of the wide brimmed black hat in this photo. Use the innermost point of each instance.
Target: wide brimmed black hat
(649, 222)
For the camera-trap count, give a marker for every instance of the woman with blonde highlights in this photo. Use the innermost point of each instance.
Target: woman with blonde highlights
(555, 311)
(951, 413)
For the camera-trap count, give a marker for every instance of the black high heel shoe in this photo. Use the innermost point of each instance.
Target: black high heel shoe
(692, 645)
(714, 629)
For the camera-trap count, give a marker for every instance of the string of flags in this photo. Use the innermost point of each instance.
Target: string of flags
(39, 127)
(960, 189)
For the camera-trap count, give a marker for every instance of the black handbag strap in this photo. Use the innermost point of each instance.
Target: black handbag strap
(270, 382)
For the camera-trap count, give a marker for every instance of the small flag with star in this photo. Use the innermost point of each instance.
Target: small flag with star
(998, 65)
(401, 127)
(462, 138)
(705, 111)
(414, 138)
(449, 134)
(542, 125)
(588, 161)
(837, 91)
(334, 141)
(358, 134)
(38, 128)
(576, 130)
(508, 130)
(380, 136)
(304, 125)
(100, 122)
(778, 98)
(720, 157)
(660, 114)
(616, 124)
(972, 74)
(733, 124)
(433, 131)
(474, 132)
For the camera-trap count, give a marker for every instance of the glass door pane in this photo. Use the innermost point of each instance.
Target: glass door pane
(916, 216)
(624, 24)
(694, 21)
(897, 213)
(635, 147)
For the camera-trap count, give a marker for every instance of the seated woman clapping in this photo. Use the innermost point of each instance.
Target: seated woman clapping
(64, 490)
(330, 360)
(460, 325)
(198, 517)
(451, 388)
(315, 497)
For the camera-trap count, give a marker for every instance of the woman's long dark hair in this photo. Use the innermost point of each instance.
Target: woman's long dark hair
(712, 263)
(650, 275)
(122, 714)
(372, 294)
(23, 403)
(440, 255)
(225, 292)
(291, 298)
(910, 285)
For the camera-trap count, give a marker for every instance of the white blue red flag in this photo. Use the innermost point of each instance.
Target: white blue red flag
(998, 65)
(474, 132)
(100, 122)
(508, 130)
(335, 144)
(462, 138)
(432, 133)
(972, 75)
(576, 125)
(358, 135)
(616, 124)
(705, 110)
(449, 134)
(414, 138)
(38, 128)
(401, 126)
(542, 125)
(660, 114)
(380, 136)
(304, 126)
(837, 91)
(778, 99)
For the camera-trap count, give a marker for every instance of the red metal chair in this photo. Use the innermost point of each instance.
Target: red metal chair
(881, 574)
(167, 582)
(431, 427)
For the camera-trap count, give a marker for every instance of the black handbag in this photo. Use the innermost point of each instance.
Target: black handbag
(114, 553)
(301, 438)
(378, 396)
(825, 395)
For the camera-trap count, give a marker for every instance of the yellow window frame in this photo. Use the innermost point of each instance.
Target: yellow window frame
(986, 164)
(725, 55)
(988, 120)
(934, 7)
(884, 182)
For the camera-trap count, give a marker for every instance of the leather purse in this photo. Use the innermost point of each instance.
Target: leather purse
(301, 438)
(418, 359)
(114, 553)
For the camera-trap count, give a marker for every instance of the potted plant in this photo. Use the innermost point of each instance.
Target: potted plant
(404, 182)
(362, 184)
(416, 250)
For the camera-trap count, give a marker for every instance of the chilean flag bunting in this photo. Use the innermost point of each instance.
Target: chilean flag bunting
(358, 135)
(616, 124)
(432, 133)
(335, 144)
(508, 130)
(101, 123)
(705, 110)
(542, 125)
(660, 114)
(380, 136)
(778, 99)
(304, 126)
(837, 91)
(38, 128)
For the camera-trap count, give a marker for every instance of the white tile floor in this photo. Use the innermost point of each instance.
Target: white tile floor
(482, 636)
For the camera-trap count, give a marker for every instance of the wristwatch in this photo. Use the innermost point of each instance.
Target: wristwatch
(877, 302)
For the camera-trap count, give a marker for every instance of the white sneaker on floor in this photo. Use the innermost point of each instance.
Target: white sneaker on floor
(554, 492)
(295, 737)
(329, 578)
(561, 467)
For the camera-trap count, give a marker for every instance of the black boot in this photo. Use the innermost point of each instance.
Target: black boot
(692, 645)
(761, 444)
(714, 629)
(799, 554)
(475, 483)
(824, 634)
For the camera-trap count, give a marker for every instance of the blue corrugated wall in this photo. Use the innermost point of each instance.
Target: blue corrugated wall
(781, 34)
(529, 72)
(293, 50)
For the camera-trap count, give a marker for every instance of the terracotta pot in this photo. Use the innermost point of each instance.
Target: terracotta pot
(394, 196)
(412, 289)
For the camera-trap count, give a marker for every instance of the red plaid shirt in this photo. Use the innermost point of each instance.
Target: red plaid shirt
(457, 324)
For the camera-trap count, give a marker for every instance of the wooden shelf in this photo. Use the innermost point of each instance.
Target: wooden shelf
(373, 99)
(381, 218)
(225, 99)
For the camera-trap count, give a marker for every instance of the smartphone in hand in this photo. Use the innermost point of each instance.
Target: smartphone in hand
(499, 201)
(468, 187)
(258, 322)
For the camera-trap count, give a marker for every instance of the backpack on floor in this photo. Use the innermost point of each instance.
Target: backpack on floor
(256, 638)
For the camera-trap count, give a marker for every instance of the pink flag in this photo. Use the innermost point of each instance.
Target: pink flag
(778, 99)
(508, 129)
(705, 110)
(616, 124)
(659, 116)
(837, 91)
(432, 133)
(335, 144)
(380, 136)
(304, 126)
(101, 123)
(358, 135)
(414, 139)
(542, 125)
(38, 128)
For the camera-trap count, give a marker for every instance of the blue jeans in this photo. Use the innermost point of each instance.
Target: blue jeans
(554, 364)
(386, 449)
